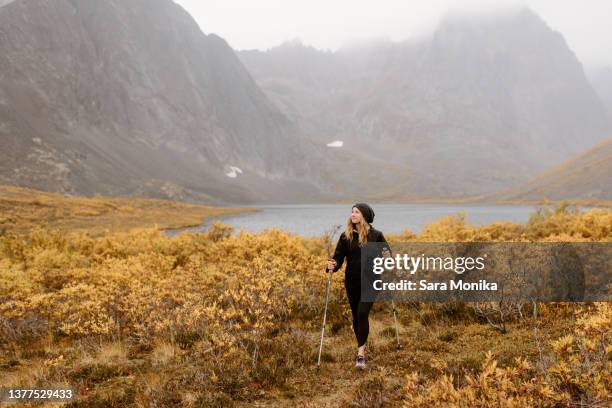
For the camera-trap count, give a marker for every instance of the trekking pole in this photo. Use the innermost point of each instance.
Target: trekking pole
(396, 328)
(324, 318)
(398, 346)
(330, 236)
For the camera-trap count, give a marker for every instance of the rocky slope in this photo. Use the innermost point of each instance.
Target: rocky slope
(130, 97)
(586, 176)
(123, 97)
(481, 105)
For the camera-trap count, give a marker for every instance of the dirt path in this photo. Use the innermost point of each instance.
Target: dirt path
(339, 383)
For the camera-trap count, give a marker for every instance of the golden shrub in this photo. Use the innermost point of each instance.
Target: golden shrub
(233, 293)
(580, 375)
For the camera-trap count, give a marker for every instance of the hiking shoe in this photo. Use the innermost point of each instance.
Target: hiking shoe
(360, 362)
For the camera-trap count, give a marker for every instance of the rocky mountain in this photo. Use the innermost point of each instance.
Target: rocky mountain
(586, 176)
(481, 105)
(131, 97)
(122, 97)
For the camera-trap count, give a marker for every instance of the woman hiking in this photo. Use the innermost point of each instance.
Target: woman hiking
(358, 232)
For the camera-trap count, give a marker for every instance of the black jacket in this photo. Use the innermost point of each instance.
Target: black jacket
(352, 252)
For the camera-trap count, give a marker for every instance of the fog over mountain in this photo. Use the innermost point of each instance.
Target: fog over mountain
(131, 97)
(601, 79)
(481, 105)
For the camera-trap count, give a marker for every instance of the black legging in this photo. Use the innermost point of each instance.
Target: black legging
(360, 311)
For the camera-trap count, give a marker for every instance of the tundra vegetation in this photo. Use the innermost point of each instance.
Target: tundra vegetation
(134, 318)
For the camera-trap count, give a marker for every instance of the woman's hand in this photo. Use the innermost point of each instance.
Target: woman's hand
(386, 253)
(331, 264)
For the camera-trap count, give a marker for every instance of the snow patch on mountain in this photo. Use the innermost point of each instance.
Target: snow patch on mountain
(233, 172)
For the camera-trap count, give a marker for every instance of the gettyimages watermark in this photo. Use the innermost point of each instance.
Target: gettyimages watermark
(486, 271)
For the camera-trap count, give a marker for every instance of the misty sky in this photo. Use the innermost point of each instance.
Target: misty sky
(328, 24)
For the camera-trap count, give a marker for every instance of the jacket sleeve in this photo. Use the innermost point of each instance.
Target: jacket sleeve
(340, 252)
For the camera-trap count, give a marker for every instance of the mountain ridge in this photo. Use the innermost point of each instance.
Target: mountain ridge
(130, 97)
(474, 108)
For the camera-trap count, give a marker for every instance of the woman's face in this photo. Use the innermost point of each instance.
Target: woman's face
(356, 216)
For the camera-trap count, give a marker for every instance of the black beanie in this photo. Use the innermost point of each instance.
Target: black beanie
(366, 211)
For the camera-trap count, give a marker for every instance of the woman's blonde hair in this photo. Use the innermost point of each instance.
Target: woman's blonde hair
(362, 229)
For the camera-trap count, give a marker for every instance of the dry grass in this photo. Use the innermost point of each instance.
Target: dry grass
(23, 209)
(137, 319)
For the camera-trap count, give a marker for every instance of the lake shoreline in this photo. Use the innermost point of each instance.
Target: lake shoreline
(315, 219)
